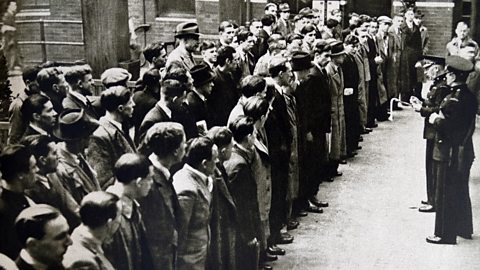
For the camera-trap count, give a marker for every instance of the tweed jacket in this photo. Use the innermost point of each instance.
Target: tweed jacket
(77, 180)
(107, 144)
(180, 57)
(160, 210)
(85, 252)
(194, 196)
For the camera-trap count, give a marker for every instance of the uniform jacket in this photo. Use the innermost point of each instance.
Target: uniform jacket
(195, 198)
(438, 91)
(453, 140)
(180, 57)
(85, 252)
(78, 180)
(160, 210)
(243, 188)
(107, 144)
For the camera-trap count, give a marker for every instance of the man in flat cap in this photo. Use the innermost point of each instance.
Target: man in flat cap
(453, 155)
(284, 25)
(187, 35)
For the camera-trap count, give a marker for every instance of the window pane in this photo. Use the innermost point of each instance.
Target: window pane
(175, 8)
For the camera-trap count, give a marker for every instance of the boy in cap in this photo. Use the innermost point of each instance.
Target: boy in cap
(453, 148)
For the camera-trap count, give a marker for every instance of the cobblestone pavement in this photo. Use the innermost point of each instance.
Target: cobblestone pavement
(373, 221)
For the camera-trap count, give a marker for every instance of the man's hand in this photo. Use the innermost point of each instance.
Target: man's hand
(309, 137)
(348, 91)
(434, 116)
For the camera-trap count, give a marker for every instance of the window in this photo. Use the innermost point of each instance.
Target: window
(177, 8)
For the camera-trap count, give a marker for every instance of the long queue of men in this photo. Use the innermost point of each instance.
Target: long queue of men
(208, 165)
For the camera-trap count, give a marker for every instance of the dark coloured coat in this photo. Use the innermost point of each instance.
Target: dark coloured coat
(438, 91)
(223, 224)
(160, 215)
(351, 79)
(107, 144)
(393, 66)
(11, 204)
(196, 106)
(338, 140)
(72, 102)
(23, 265)
(144, 102)
(223, 98)
(411, 54)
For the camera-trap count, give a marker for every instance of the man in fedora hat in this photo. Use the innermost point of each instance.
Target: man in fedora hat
(73, 130)
(336, 84)
(196, 100)
(301, 63)
(453, 155)
(187, 35)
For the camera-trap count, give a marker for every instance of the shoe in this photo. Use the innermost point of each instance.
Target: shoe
(314, 209)
(433, 239)
(360, 139)
(267, 267)
(329, 179)
(343, 161)
(284, 238)
(302, 213)
(292, 224)
(269, 257)
(338, 173)
(318, 203)
(275, 250)
(352, 154)
(424, 202)
(426, 208)
(359, 148)
(374, 125)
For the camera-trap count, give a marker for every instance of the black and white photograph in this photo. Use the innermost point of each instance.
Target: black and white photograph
(239, 134)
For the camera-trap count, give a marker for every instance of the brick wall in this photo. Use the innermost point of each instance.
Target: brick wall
(61, 26)
(439, 20)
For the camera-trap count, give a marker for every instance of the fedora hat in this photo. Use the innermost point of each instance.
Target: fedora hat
(187, 29)
(337, 48)
(73, 124)
(301, 61)
(201, 74)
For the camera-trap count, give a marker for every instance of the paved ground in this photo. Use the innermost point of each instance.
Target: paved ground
(373, 221)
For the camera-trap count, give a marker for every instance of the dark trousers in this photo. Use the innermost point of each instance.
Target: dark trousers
(430, 173)
(248, 256)
(279, 207)
(373, 102)
(453, 206)
(352, 118)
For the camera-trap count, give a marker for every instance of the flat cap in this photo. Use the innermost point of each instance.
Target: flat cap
(284, 7)
(456, 63)
(187, 29)
(115, 76)
(384, 19)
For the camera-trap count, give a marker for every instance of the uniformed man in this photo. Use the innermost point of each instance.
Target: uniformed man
(453, 155)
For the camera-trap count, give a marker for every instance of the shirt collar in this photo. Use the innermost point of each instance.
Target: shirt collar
(81, 97)
(32, 261)
(38, 129)
(158, 165)
(164, 107)
(43, 180)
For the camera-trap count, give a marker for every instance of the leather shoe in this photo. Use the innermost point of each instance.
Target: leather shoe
(374, 125)
(284, 238)
(360, 139)
(466, 236)
(359, 148)
(302, 213)
(292, 225)
(314, 209)
(329, 179)
(424, 202)
(318, 203)
(343, 161)
(274, 250)
(426, 208)
(433, 239)
(270, 257)
(338, 173)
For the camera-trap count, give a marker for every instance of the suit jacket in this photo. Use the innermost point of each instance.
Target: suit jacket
(56, 196)
(85, 252)
(223, 224)
(243, 188)
(144, 102)
(223, 98)
(195, 199)
(107, 144)
(180, 57)
(11, 204)
(284, 27)
(73, 102)
(78, 180)
(196, 106)
(160, 211)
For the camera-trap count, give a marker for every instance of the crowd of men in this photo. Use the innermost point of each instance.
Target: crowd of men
(208, 164)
